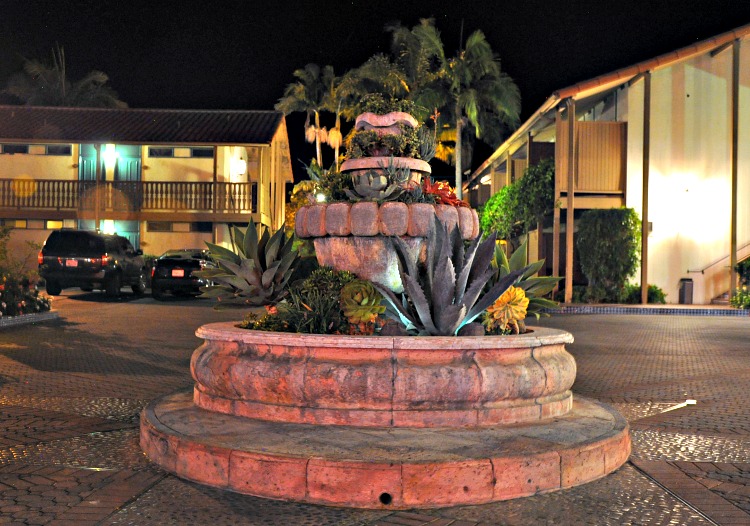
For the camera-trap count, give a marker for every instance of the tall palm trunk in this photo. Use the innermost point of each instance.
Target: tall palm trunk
(318, 150)
(458, 156)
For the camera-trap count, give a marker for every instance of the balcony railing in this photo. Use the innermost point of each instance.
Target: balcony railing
(127, 195)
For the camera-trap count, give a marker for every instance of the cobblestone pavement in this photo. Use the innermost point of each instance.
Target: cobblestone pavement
(71, 390)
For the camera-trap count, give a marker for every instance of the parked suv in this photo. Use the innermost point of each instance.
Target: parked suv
(173, 272)
(89, 260)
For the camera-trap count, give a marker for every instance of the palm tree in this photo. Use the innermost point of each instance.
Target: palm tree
(313, 92)
(42, 85)
(479, 97)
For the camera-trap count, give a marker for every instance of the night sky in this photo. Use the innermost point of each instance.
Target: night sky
(241, 54)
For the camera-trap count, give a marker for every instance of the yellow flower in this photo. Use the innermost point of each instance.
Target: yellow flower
(507, 311)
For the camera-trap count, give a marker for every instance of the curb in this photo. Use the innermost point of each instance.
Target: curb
(24, 319)
(669, 311)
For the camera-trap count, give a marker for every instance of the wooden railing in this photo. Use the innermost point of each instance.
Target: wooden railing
(127, 195)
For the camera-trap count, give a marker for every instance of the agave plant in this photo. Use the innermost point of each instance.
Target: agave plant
(447, 291)
(535, 288)
(257, 274)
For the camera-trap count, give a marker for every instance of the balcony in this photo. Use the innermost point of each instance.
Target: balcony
(140, 200)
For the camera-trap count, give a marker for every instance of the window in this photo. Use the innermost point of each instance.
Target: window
(204, 227)
(161, 152)
(53, 225)
(59, 149)
(15, 148)
(13, 223)
(206, 153)
(159, 226)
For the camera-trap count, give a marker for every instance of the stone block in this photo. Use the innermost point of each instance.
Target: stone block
(394, 219)
(369, 485)
(466, 222)
(448, 215)
(202, 463)
(268, 476)
(522, 476)
(364, 219)
(581, 464)
(299, 222)
(457, 483)
(315, 221)
(338, 219)
(421, 219)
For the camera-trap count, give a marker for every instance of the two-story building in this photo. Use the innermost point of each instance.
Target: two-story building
(668, 137)
(162, 178)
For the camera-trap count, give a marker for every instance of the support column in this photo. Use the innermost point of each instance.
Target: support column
(734, 147)
(98, 186)
(556, 209)
(646, 167)
(569, 213)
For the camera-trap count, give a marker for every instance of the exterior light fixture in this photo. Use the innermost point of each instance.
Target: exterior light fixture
(110, 155)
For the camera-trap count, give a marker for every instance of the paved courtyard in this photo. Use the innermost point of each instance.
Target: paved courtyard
(71, 391)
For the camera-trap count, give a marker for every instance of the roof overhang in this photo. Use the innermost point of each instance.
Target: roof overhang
(588, 92)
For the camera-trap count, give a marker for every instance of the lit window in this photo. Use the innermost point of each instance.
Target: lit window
(54, 225)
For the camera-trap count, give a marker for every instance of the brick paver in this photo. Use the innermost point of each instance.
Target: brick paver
(71, 390)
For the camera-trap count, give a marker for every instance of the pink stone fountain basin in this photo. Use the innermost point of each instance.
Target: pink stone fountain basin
(383, 422)
(383, 381)
(383, 468)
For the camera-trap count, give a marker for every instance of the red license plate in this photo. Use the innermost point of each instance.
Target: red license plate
(71, 262)
(178, 273)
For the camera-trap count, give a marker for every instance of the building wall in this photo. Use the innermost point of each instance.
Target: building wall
(689, 175)
(61, 167)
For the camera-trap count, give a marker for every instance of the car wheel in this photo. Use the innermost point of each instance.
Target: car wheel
(113, 285)
(53, 288)
(140, 286)
(157, 294)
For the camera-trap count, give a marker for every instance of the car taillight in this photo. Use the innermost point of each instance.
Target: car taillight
(101, 260)
(40, 258)
(153, 269)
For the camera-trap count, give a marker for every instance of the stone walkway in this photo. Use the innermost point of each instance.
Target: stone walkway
(71, 391)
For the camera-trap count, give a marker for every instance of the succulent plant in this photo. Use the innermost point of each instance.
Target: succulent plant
(446, 292)
(361, 305)
(386, 184)
(506, 315)
(535, 288)
(427, 146)
(257, 274)
(373, 186)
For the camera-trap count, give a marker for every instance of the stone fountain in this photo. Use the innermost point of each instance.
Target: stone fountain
(382, 421)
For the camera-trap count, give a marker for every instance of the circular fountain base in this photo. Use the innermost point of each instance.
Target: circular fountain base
(388, 468)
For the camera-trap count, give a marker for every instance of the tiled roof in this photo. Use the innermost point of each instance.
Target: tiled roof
(137, 126)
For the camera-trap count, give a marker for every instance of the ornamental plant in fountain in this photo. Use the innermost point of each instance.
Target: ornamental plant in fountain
(391, 244)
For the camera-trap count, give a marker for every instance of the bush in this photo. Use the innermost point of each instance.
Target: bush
(632, 294)
(20, 296)
(741, 299)
(743, 269)
(608, 243)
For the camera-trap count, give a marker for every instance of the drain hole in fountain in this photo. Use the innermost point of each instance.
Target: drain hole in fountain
(385, 498)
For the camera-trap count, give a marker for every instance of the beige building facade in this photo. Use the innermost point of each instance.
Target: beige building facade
(163, 178)
(670, 138)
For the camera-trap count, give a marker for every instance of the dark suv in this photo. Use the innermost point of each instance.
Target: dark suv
(89, 260)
